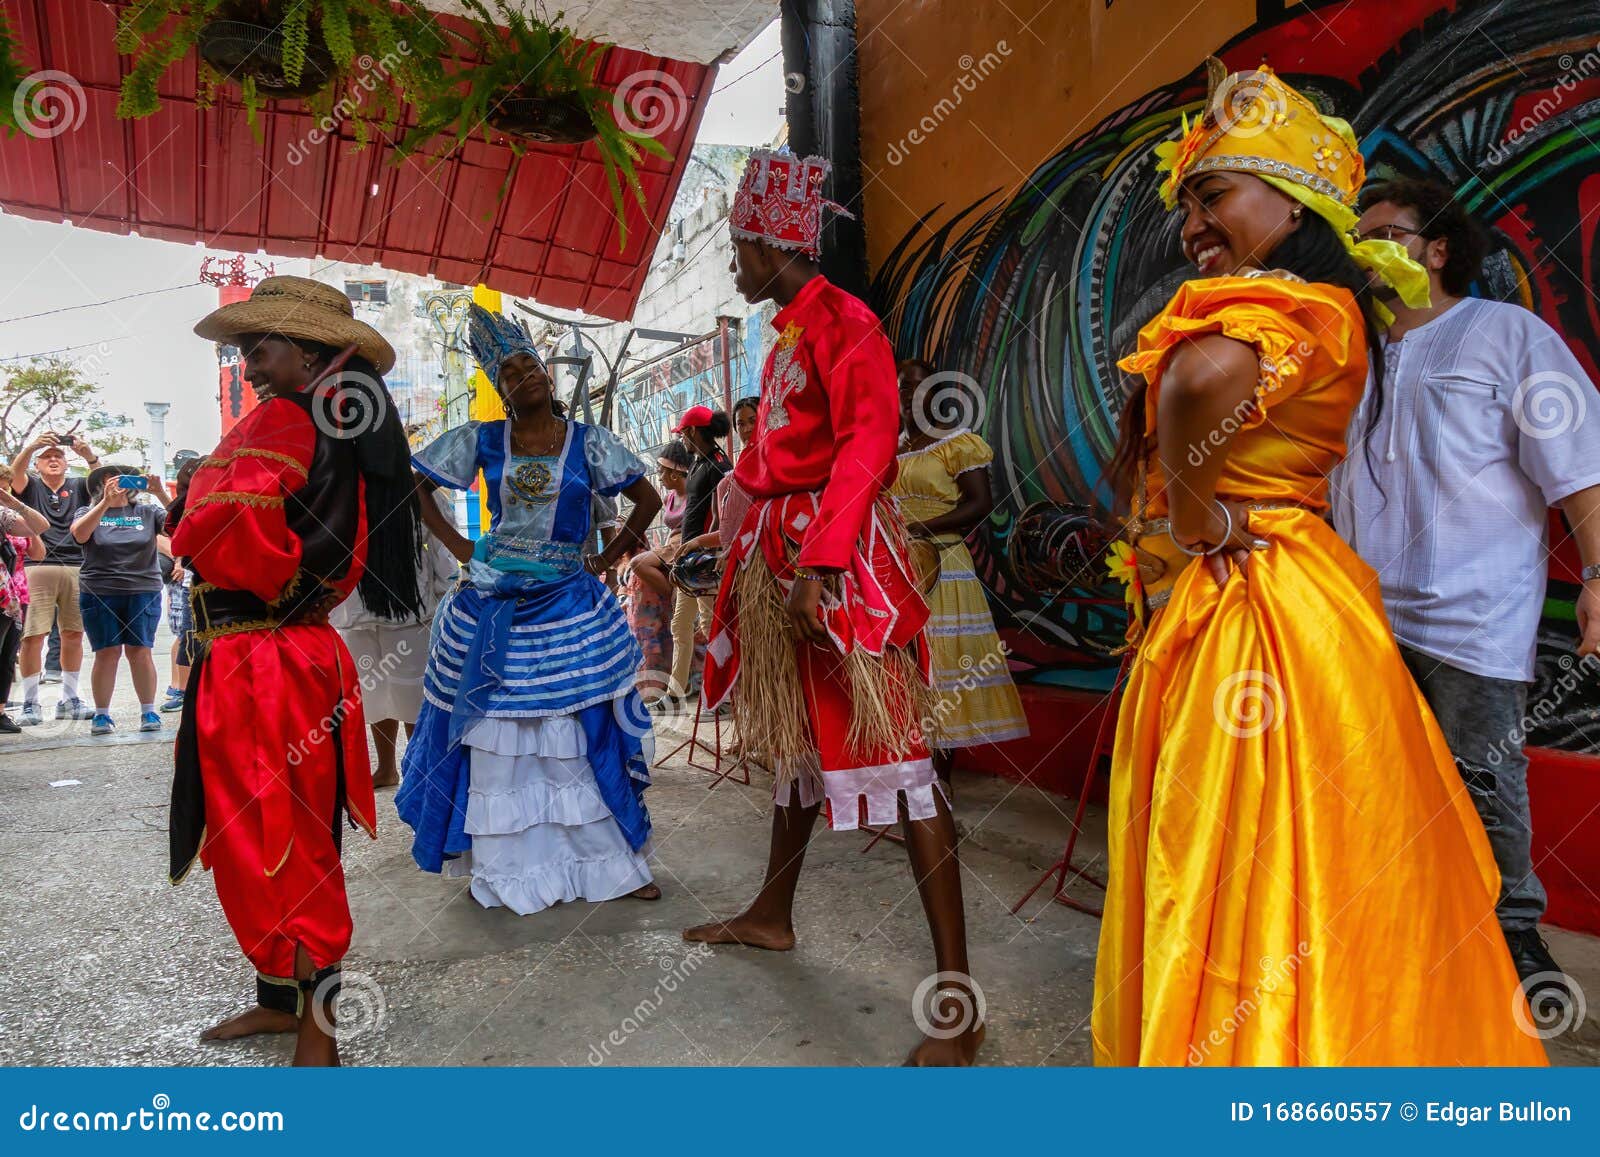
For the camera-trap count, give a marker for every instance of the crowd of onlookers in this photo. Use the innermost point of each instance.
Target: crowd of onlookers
(87, 556)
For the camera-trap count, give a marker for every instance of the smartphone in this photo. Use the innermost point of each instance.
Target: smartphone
(133, 482)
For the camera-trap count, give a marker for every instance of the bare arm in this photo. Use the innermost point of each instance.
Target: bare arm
(31, 518)
(85, 451)
(442, 528)
(36, 551)
(973, 505)
(20, 464)
(83, 527)
(646, 504)
(1583, 515)
(1206, 385)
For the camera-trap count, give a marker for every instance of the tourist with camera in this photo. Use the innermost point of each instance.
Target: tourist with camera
(120, 586)
(53, 580)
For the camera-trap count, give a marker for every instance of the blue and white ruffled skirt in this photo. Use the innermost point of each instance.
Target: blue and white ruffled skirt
(530, 758)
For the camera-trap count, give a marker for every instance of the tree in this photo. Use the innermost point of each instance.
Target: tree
(52, 395)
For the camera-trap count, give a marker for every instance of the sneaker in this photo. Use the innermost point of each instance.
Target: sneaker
(31, 715)
(74, 709)
(149, 721)
(102, 724)
(174, 700)
(50, 677)
(8, 725)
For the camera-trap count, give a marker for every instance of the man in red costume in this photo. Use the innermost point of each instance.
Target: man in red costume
(818, 623)
(305, 500)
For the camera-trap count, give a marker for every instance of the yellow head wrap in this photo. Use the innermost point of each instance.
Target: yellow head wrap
(1255, 123)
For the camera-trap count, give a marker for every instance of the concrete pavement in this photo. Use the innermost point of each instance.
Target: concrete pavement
(106, 963)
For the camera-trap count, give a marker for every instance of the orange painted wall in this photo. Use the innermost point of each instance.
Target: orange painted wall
(1056, 67)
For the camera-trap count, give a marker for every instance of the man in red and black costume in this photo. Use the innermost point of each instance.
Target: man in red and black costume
(305, 500)
(818, 628)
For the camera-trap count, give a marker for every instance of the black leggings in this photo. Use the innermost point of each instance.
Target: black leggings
(10, 644)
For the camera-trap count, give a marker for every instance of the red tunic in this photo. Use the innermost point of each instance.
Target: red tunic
(817, 470)
(829, 418)
(275, 716)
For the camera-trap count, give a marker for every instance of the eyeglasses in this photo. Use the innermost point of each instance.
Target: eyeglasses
(1390, 233)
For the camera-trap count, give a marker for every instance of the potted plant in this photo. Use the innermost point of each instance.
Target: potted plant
(12, 74)
(279, 49)
(533, 80)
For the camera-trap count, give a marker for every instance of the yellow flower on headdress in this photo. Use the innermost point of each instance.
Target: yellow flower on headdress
(1255, 123)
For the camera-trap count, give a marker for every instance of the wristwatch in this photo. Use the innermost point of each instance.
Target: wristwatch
(1591, 572)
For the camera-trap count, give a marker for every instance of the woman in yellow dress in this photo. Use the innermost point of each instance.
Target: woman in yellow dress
(1297, 873)
(943, 491)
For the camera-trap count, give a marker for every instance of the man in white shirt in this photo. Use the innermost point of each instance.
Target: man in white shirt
(1485, 420)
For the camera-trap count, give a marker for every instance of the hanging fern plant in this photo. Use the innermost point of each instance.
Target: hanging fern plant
(12, 74)
(533, 80)
(359, 59)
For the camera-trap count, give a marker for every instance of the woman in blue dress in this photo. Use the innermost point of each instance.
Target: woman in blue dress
(529, 763)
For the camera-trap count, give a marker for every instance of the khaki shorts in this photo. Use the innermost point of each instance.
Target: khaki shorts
(52, 592)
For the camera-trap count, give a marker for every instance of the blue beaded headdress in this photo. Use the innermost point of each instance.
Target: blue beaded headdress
(494, 337)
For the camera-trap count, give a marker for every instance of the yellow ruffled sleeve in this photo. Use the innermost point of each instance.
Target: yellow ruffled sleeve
(1302, 333)
(966, 451)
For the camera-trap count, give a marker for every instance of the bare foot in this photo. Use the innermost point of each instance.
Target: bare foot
(316, 1050)
(257, 1020)
(648, 892)
(744, 930)
(386, 777)
(950, 1052)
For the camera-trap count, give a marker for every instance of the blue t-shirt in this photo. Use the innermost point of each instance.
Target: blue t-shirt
(120, 556)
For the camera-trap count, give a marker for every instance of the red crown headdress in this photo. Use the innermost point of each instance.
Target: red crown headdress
(780, 201)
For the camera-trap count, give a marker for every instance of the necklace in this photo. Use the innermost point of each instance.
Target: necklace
(541, 450)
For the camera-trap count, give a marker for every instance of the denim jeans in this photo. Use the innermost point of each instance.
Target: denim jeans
(1482, 720)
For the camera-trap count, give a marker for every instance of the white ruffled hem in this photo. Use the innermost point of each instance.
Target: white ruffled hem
(536, 889)
(552, 736)
(541, 832)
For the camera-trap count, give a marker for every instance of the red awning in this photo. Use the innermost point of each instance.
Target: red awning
(200, 175)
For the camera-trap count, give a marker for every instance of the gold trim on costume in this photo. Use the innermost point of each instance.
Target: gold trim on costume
(251, 452)
(244, 498)
(187, 868)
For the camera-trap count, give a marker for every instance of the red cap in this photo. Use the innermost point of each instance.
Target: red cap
(693, 416)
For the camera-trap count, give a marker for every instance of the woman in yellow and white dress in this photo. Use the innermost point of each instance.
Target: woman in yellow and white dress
(943, 492)
(1297, 873)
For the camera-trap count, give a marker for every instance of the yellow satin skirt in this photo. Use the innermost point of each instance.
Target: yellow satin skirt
(1297, 875)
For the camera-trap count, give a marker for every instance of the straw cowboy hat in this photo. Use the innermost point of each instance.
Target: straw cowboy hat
(303, 310)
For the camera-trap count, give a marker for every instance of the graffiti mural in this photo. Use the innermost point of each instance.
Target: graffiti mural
(650, 401)
(1036, 291)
